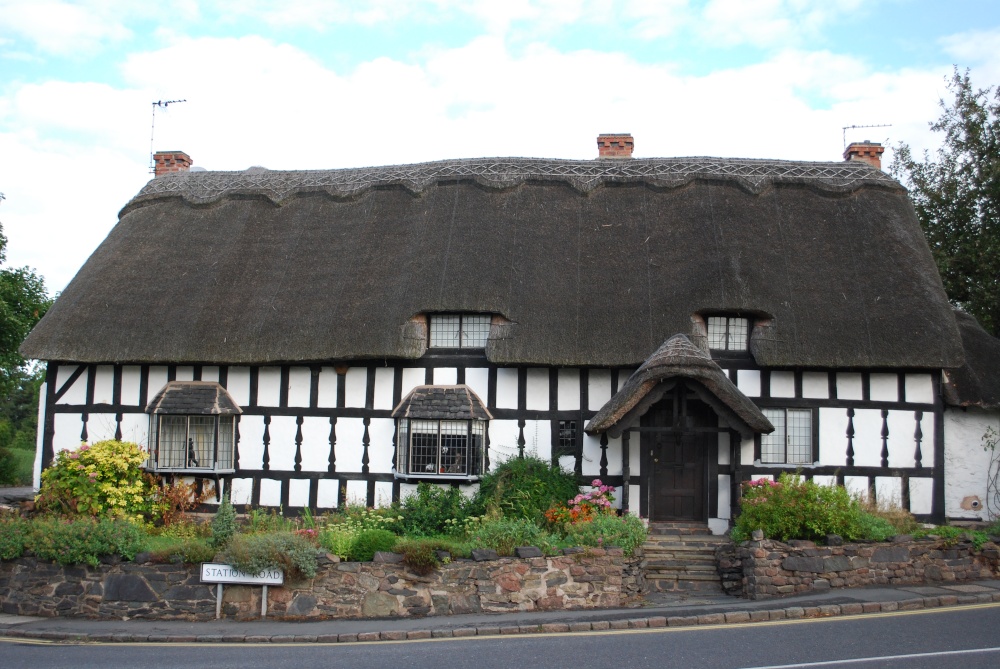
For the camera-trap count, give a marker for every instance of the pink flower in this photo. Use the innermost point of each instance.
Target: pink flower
(84, 447)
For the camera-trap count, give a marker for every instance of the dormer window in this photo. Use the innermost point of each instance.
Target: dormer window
(728, 333)
(459, 330)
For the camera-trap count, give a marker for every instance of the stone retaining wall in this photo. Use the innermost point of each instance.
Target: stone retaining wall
(595, 578)
(764, 569)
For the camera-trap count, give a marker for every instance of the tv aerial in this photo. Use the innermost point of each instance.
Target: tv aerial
(161, 104)
(853, 127)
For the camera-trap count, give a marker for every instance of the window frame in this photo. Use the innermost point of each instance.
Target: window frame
(461, 316)
(219, 430)
(727, 335)
(475, 436)
(812, 431)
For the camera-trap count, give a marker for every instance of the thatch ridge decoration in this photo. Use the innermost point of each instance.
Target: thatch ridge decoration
(678, 358)
(754, 175)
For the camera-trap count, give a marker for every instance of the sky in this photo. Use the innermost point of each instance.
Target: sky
(314, 84)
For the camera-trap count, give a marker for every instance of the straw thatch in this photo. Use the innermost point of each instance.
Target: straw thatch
(442, 402)
(591, 263)
(977, 382)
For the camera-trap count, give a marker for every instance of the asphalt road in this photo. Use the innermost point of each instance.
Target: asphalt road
(967, 637)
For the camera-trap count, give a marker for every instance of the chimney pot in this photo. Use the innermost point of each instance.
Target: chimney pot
(167, 162)
(868, 152)
(615, 145)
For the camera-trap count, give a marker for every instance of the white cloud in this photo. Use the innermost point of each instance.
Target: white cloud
(769, 23)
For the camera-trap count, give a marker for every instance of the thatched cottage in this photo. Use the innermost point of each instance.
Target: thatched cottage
(673, 326)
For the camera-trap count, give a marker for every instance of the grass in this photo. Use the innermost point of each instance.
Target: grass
(24, 464)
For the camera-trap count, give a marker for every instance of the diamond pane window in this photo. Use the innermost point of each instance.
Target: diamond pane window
(459, 330)
(792, 440)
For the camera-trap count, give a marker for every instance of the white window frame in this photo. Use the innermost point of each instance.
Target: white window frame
(459, 330)
(217, 456)
(797, 442)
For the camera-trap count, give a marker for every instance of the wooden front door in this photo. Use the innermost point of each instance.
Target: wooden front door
(677, 460)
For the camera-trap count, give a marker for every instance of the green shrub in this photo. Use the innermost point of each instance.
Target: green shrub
(523, 488)
(83, 540)
(951, 535)
(13, 536)
(354, 518)
(368, 542)
(224, 522)
(795, 508)
(190, 550)
(433, 510)
(506, 534)
(337, 541)
(293, 554)
(873, 528)
(105, 479)
(267, 521)
(627, 532)
(420, 555)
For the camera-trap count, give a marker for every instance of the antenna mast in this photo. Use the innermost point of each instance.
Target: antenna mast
(851, 127)
(152, 128)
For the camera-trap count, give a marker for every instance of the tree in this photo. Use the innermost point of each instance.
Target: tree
(23, 301)
(956, 193)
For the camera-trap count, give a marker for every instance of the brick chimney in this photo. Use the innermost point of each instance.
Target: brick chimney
(615, 145)
(869, 152)
(167, 162)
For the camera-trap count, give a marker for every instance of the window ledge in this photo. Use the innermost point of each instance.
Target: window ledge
(785, 465)
(436, 477)
(188, 470)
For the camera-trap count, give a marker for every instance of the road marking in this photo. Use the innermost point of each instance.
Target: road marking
(879, 658)
(23, 640)
(537, 635)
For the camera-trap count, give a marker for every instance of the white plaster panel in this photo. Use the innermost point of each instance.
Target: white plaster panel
(270, 492)
(857, 485)
(506, 388)
(848, 386)
(591, 465)
(184, 373)
(538, 438)
(919, 388)
(326, 493)
(725, 497)
(237, 384)
(567, 463)
(101, 427)
(889, 491)
(241, 492)
(634, 453)
(251, 442)
(327, 391)
(815, 385)
(315, 444)
(884, 387)
(782, 384)
(67, 436)
(412, 377)
(135, 428)
(210, 373)
(383, 494)
(867, 438)
(921, 495)
(269, 386)
(406, 489)
(445, 376)
(537, 397)
(598, 388)
(76, 393)
(131, 378)
(298, 492)
(281, 450)
(380, 445)
(299, 382)
(902, 425)
(355, 387)
(357, 493)
(384, 382)
(833, 436)
(350, 432)
(104, 385)
(748, 381)
(746, 450)
(725, 457)
(633, 500)
(503, 440)
(825, 480)
(966, 464)
(569, 389)
(478, 380)
(36, 478)
(718, 526)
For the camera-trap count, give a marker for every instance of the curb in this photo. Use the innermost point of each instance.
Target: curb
(730, 618)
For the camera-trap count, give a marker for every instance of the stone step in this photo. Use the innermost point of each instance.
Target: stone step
(683, 577)
(651, 561)
(685, 585)
(669, 567)
(684, 545)
(678, 528)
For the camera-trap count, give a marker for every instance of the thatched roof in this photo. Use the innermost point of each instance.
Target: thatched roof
(591, 262)
(442, 403)
(193, 397)
(678, 358)
(977, 382)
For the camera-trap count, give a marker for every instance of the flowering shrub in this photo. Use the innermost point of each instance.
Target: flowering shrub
(627, 532)
(105, 478)
(584, 507)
